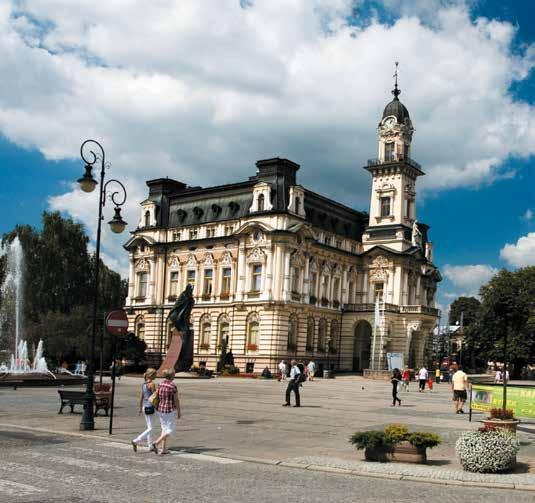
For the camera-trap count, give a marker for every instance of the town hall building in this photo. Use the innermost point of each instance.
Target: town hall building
(279, 271)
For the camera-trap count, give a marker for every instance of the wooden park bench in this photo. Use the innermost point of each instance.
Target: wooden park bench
(72, 398)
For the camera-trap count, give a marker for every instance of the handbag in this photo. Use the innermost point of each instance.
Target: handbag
(154, 399)
(149, 410)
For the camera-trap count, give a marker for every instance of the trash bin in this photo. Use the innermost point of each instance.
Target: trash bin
(326, 374)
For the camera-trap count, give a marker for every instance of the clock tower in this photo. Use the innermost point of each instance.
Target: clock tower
(394, 173)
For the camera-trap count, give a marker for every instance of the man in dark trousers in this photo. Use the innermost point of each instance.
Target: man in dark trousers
(293, 385)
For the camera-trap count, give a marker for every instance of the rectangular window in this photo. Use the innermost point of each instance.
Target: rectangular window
(313, 284)
(210, 232)
(208, 282)
(225, 280)
(173, 283)
(353, 249)
(336, 289)
(325, 289)
(389, 151)
(143, 280)
(193, 233)
(190, 278)
(256, 279)
(379, 290)
(327, 240)
(295, 280)
(350, 289)
(385, 206)
(177, 235)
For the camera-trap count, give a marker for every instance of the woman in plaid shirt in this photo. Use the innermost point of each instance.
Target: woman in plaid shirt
(168, 409)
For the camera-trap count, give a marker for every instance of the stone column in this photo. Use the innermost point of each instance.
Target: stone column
(418, 299)
(405, 292)
(286, 284)
(269, 274)
(131, 280)
(152, 280)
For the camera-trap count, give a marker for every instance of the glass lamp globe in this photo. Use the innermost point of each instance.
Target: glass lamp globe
(87, 182)
(117, 224)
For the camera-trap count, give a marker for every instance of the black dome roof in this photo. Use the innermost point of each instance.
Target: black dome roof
(397, 109)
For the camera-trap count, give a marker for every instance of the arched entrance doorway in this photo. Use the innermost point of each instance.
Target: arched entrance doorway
(362, 346)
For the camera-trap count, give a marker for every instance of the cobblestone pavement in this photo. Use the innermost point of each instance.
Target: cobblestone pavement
(47, 468)
(242, 417)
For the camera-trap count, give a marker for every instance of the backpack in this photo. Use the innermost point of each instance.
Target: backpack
(301, 378)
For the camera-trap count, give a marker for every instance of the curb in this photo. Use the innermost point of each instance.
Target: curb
(302, 466)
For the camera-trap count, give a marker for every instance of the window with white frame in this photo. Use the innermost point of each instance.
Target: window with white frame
(226, 276)
(293, 328)
(208, 282)
(190, 278)
(256, 277)
(206, 333)
(385, 206)
(261, 202)
(223, 331)
(325, 287)
(253, 332)
(142, 284)
(336, 289)
(296, 277)
(173, 284)
(140, 329)
(389, 151)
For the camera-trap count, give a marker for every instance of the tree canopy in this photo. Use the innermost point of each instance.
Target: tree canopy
(58, 285)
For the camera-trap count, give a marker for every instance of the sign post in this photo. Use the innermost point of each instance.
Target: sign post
(116, 325)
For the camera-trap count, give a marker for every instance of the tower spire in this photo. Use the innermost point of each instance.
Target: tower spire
(396, 91)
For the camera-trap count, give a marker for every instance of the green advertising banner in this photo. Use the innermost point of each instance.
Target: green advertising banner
(519, 398)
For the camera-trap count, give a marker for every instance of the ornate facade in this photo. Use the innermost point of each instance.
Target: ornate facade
(281, 271)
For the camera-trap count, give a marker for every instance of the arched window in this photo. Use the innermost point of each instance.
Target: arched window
(253, 332)
(206, 333)
(223, 331)
(261, 202)
(293, 327)
(140, 328)
(147, 218)
(322, 335)
(310, 334)
(334, 337)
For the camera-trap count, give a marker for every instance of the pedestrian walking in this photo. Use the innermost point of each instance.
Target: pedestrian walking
(282, 370)
(395, 380)
(147, 409)
(459, 383)
(422, 378)
(293, 385)
(168, 410)
(437, 375)
(406, 378)
(311, 370)
(498, 377)
(430, 383)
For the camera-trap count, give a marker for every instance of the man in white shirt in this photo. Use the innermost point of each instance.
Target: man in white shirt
(311, 370)
(282, 370)
(459, 383)
(422, 378)
(293, 385)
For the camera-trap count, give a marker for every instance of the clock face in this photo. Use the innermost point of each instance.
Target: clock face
(389, 123)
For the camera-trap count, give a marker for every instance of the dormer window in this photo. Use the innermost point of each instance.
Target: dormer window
(147, 218)
(261, 202)
(385, 206)
(298, 205)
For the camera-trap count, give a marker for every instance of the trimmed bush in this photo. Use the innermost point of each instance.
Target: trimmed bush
(487, 451)
(370, 439)
(423, 439)
(396, 433)
(392, 435)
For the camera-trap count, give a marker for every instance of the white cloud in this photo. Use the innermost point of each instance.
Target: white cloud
(468, 277)
(522, 253)
(199, 90)
(528, 216)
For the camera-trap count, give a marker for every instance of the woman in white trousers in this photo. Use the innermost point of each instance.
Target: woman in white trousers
(145, 407)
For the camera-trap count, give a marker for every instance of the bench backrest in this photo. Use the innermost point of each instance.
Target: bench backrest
(68, 394)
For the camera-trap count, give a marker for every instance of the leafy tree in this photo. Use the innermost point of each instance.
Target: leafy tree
(130, 347)
(468, 307)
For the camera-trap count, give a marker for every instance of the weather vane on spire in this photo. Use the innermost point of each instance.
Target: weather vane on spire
(396, 92)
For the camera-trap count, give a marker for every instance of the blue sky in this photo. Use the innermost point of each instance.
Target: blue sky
(202, 107)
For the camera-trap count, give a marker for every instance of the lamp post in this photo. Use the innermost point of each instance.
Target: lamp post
(93, 155)
(329, 340)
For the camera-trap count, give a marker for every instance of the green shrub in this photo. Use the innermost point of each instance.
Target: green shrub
(370, 439)
(230, 370)
(396, 433)
(423, 439)
(487, 452)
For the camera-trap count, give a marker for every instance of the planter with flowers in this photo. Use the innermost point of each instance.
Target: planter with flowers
(252, 347)
(395, 444)
(500, 419)
(487, 450)
(205, 346)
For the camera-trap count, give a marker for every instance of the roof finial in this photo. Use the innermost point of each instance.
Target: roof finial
(396, 92)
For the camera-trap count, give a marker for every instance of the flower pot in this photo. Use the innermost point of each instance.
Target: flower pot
(502, 424)
(404, 452)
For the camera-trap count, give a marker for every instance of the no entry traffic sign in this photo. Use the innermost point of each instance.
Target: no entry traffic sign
(117, 322)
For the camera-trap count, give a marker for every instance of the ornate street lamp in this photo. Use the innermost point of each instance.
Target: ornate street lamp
(93, 154)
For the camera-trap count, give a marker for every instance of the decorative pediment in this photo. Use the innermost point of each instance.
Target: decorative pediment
(378, 275)
(257, 255)
(380, 262)
(313, 265)
(326, 268)
(208, 259)
(191, 260)
(226, 258)
(386, 187)
(173, 262)
(297, 259)
(142, 265)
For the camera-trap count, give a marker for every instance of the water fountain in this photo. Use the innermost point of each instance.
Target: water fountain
(19, 367)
